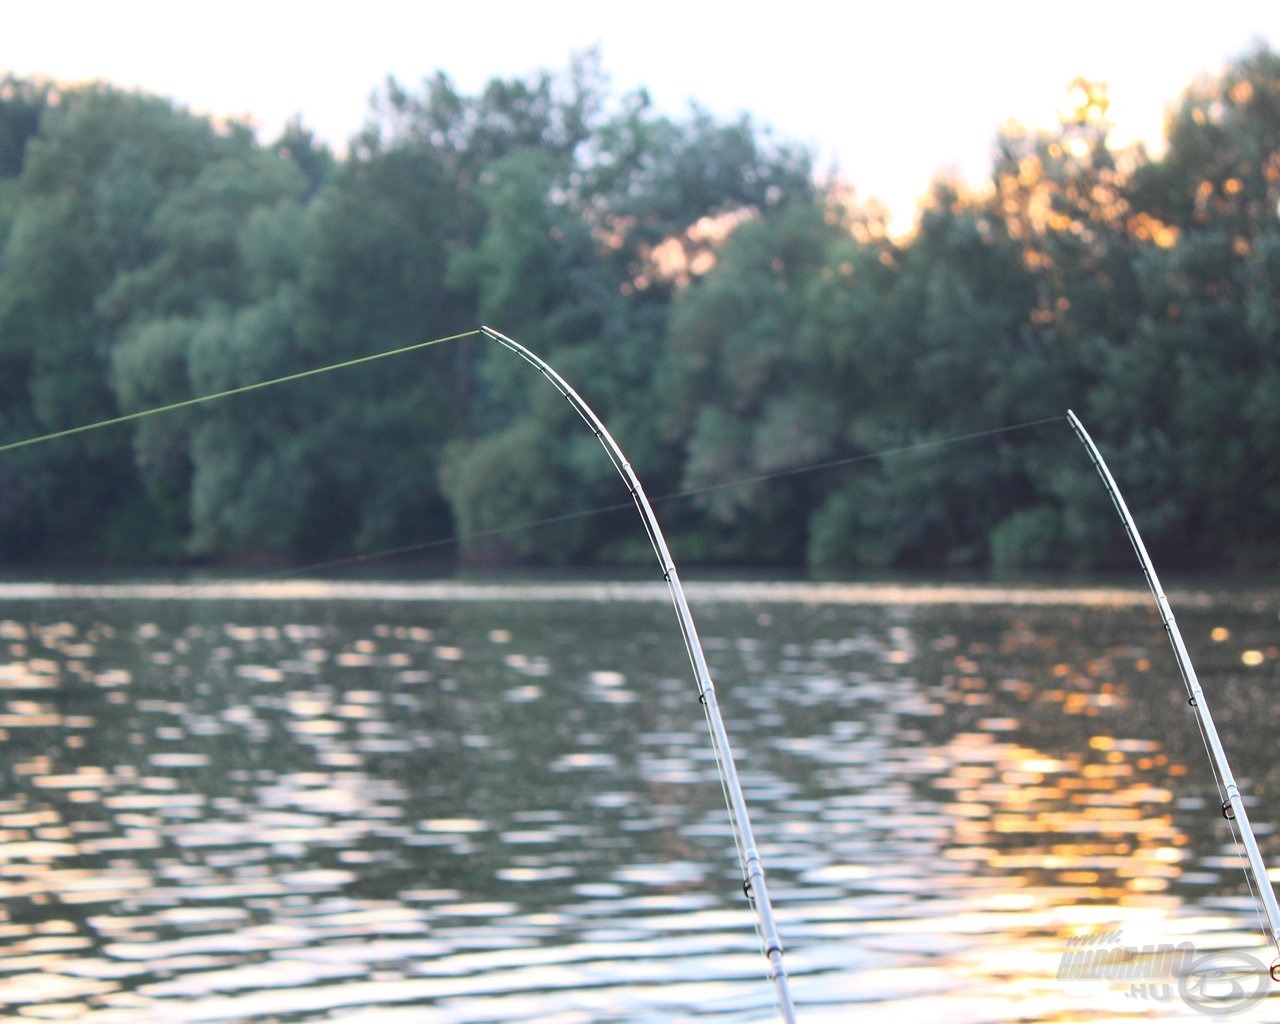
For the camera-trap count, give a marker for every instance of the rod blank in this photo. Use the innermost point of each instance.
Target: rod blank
(753, 867)
(1195, 697)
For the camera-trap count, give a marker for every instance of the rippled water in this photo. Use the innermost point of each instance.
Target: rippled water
(452, 803)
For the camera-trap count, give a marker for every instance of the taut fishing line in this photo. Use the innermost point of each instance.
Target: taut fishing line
(883, 453)
(530, 524)
(671, 496)
(186, 403)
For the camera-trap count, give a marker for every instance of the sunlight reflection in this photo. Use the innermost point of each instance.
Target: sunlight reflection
(392, 809)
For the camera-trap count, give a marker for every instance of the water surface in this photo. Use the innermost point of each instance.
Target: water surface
(465, 803)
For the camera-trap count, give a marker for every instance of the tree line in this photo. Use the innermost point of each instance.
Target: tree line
(795, 384)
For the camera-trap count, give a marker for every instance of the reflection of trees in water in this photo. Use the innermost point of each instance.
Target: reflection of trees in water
(286, 762)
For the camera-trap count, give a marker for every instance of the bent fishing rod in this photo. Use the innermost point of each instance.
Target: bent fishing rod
(753, 885)
(1233, 804)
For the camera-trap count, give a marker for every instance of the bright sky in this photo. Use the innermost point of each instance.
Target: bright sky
(892, 92)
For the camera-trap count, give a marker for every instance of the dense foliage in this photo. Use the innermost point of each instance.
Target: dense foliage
(762, 348)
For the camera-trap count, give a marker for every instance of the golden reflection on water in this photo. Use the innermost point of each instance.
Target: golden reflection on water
(1018, 809)
(274, 820)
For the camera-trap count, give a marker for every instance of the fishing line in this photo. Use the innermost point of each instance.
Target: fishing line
(460, 538)
(1254, 892)
(1236, 836)
(187, 403)
(672, 496)
(815, 467)
(1237, 839)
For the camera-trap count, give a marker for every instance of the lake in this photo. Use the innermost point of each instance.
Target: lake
(488, 802)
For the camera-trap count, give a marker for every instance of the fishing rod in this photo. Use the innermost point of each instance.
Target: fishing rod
(753, 885)
(1233, 804)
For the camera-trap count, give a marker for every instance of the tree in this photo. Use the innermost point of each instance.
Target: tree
(752, 394)
(1210, 335)
(91, 180)
(582, 248)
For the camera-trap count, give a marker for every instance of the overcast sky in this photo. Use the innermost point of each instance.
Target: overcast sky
(892, 92)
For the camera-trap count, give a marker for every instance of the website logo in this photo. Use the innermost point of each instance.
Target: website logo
(1221, 983)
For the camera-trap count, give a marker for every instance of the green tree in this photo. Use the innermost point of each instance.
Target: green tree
(1189, 401)
(91, 180)
(341, 463)
(753, 397)
(22, 104)
(583, 248)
